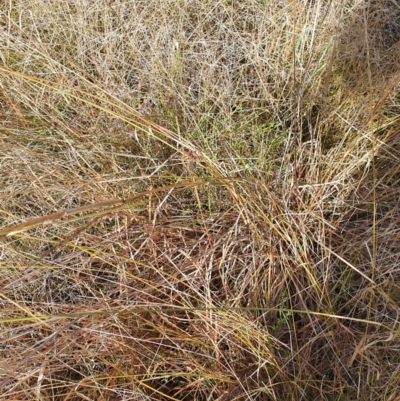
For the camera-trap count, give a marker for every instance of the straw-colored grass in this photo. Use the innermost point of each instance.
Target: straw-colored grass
(199, 200)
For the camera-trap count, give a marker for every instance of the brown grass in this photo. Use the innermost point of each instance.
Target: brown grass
(199, 200)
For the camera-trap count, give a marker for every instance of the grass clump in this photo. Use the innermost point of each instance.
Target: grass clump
(199, 200)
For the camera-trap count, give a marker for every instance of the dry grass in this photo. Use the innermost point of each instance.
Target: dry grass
(199, 200)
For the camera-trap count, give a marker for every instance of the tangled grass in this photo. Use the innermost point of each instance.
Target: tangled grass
(199, 200)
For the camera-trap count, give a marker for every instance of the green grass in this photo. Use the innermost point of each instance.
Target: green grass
(198, 200)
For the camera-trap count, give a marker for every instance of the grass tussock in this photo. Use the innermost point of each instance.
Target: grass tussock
(199, 200)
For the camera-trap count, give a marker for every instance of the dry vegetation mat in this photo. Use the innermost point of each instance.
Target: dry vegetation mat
(199, 200)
